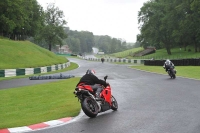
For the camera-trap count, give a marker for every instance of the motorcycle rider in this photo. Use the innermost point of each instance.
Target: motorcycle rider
(102, 60)
(168, 64)
(90, 79)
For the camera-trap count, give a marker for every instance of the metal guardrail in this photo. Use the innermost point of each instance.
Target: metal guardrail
(29, 71)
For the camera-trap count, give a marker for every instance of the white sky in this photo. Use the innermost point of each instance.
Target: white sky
(116, 18)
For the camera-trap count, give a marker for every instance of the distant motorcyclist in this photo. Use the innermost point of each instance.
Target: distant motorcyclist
(102, 60)
(90, 79)
(168, 64)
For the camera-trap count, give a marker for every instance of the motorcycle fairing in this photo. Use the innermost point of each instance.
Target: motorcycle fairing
(86, 87)
(106, 93)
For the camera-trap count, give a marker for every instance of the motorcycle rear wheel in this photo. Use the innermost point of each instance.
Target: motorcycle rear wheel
(90, 107)
(114, 105)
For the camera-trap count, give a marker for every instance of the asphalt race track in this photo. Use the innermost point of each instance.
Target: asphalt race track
(148, 102)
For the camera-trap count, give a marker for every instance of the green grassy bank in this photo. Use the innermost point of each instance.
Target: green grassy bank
(24, 54)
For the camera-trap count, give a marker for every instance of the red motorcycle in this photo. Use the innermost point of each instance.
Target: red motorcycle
(90, 106)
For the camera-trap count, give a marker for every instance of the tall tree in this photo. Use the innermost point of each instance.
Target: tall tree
(53, 31)
(158, 24)
(170, 23)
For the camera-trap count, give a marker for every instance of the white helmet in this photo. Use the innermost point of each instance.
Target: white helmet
(167, 62)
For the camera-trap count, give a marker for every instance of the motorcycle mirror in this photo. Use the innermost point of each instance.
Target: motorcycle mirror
(105, 77)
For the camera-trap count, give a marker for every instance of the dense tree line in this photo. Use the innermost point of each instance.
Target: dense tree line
(20, 18)
(170, 23)
(110, 45)
(26, 19)
(80, 42)
(83, 41)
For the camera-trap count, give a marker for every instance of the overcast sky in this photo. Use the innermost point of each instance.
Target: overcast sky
(116, 18)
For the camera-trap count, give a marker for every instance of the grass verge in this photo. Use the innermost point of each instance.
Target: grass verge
(38, 103)
(184, 71)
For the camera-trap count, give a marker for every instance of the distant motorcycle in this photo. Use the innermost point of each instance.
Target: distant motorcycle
(90, 106)
(172, 72)
(102, 60)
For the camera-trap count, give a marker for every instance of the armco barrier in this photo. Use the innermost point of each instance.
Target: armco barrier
(20, 72)
(133, 61)
(2, 73)
(37, 70)
(29, 71)
(180, 62)
(48, 69)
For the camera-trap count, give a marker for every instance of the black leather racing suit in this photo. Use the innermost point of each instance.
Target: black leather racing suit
(168, 64)
(90, 79)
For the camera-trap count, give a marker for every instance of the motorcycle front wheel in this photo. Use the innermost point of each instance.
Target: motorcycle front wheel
(174, 76)
(114, 105)
(90, 107)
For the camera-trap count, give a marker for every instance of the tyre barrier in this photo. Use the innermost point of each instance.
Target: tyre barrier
(51, 77)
